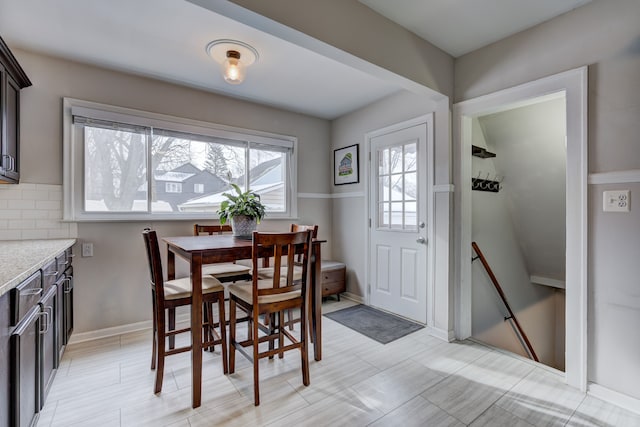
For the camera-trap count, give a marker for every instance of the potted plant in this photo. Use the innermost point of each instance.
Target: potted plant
(244, 210)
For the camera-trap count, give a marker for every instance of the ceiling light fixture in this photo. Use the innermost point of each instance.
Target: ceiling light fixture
(234, 56)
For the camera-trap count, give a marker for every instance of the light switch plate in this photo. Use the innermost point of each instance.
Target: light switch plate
(616, 201)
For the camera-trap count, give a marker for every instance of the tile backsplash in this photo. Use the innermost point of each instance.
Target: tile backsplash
(33, 211)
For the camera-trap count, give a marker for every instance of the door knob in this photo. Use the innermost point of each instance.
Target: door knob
(421, 240)
(422, 224)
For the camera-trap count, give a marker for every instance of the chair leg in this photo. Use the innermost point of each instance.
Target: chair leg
(223, 331)
(290, 319)
(270, 320)
(207, 312)
(172, 327)
(304, 351)
(281, 326)
(154, 347)
(256, 361)
(232, 335)
(161, 354)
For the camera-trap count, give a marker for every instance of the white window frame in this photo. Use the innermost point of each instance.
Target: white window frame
(73, 159)
(198, 188)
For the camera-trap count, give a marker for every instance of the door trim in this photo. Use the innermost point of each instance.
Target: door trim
(574, 85)
(424, 119)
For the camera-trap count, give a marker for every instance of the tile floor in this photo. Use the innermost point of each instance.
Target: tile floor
(417, 380)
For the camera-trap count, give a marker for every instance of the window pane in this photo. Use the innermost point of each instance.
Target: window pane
(191, 175)
(383, 162)
(410, 157)
(396, 215)
(383, 189)
(410, 186)
(396, 159)
(396, 187)
(383, 215)
(267, 178)
(115, 170)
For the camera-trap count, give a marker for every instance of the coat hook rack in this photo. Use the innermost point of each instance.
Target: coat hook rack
(486, 184)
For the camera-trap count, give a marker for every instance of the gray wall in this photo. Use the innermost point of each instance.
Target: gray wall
(112, 287)
(605, 35)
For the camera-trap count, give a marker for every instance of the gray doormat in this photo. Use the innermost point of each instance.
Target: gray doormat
(375, 324)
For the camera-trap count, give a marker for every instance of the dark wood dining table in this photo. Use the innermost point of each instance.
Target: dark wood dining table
(201, 250)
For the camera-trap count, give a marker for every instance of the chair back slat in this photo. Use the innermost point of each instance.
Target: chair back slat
(291, 243)
(301, 227)
(199, 229)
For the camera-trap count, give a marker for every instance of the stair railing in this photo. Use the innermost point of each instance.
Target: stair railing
(521, 334)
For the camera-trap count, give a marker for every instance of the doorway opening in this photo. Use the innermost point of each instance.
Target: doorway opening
(573, 84)
(518, 213)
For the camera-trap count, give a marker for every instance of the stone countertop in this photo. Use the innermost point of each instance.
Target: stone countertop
(21, 258)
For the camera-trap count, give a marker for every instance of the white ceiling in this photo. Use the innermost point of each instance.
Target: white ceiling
(462, 26)
(166, 39)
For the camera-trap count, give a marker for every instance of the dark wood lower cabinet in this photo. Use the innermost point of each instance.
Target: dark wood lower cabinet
(36, 321)
(49, 323)
(24, 368)
(67, 303)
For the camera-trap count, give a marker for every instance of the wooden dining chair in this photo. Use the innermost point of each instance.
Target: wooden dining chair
(267, 272)
(170, 294)
(271, 297)
(225, 271)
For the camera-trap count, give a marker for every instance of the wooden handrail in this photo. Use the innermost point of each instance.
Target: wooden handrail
(512, 316)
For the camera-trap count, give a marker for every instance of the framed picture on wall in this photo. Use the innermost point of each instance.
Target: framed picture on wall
(345, 165)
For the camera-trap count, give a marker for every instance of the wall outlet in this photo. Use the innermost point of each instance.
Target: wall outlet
(616, 201)
(87, 249)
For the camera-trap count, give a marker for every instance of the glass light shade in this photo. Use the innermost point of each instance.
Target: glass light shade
(233, 70)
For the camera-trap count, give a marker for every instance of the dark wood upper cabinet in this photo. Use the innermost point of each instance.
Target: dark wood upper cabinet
(12, 79)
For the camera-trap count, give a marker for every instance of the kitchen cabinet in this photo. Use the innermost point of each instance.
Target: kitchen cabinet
(12, 80)
(35, 325)
(24, 367)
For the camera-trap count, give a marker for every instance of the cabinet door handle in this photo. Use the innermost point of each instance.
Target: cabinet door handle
(53, 273)
(64, 263)
(46, 322)
(2, 162)
(29, 292)
(68, 285)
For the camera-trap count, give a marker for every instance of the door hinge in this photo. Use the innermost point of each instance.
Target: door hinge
(369, 289)
(369, 222)
(369, 155)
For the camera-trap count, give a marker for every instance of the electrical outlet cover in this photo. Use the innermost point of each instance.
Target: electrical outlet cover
(616, 201)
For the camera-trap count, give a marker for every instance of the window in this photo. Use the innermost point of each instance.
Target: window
(173, 187)
(397, 186)
(123, 164)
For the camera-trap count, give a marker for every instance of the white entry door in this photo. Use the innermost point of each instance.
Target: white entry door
(398, 232)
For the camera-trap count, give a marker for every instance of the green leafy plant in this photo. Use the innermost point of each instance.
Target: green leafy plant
(244, 203)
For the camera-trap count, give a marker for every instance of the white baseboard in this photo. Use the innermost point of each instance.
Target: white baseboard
(624, 401)
(442, 334)
(109, 332)
(352, 297)
(119, 330)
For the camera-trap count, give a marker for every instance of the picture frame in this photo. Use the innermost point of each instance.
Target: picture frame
(346, 168)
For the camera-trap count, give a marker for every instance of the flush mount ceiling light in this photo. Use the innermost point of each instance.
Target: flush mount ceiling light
(234, 56)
